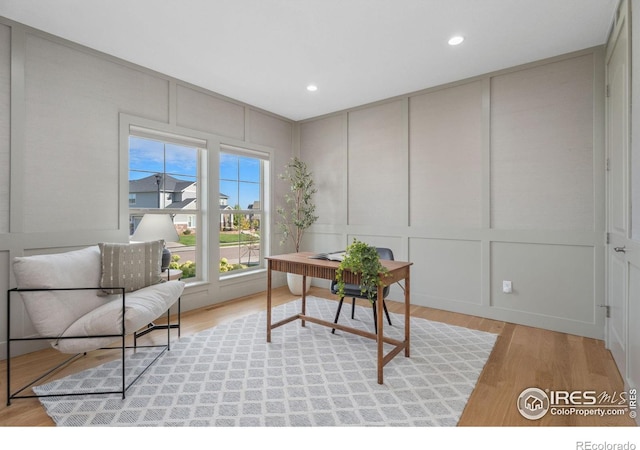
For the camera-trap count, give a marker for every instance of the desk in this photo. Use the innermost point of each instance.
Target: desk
(302, 264)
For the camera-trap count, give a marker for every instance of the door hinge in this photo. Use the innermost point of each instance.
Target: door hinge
(607, 310)
(607, 91)
(607, 164)
(608, 238)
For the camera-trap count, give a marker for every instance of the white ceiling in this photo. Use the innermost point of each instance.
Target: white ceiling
(265, 52)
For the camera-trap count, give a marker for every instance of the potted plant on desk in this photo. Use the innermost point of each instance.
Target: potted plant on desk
(361, 258)
(298, 214)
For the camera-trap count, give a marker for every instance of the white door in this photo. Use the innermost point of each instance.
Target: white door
(618, 219)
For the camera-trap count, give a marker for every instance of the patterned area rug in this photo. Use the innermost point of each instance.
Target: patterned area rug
(229, 376)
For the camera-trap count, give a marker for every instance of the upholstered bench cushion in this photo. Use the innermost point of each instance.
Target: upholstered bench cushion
(142, 307)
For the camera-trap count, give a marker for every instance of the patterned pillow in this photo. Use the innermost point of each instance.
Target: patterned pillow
(130, 266)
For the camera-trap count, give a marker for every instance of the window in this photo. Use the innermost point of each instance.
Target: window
(242, 193)
(163, 179)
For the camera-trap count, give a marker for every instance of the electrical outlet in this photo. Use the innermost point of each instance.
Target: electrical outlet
(507, 287)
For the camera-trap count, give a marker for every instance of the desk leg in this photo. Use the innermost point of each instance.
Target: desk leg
(407, 317)
(380, 335)
(269, 302)
(304, 298)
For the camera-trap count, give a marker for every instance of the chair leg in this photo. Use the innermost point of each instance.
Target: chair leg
(353, 308)
(333, 330)
(375, 316)
(386, 312)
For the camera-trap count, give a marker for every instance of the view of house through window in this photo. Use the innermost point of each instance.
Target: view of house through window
(241, 203)
(163, 178)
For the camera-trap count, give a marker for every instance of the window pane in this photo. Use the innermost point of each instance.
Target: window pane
(183, 253)
(145, 156)
(240, 247)
(249, 194)
(229, 192)
(180, 161)
(228, 166)
(163, 175)
(248, 169)
(240, 194)
(240, 181)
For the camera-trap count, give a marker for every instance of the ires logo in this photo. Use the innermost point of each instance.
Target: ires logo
(534, 403)
(586, 398)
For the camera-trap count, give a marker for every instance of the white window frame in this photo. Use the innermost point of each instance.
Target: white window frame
(265, 181)
(146, 129)
(208, 253)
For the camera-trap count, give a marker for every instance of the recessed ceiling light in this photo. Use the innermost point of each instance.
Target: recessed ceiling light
(456, 40)
(312, 88)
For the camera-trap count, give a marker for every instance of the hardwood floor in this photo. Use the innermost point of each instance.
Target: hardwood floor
(523, 357)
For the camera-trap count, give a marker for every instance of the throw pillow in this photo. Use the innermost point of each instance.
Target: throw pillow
(130, 266)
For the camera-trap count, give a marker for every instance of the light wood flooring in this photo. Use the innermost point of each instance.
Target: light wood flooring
(523, 357)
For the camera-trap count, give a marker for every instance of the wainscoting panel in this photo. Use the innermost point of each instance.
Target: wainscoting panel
(323, 242)
(5, 123)
(205, 112)
(542, 147)
(445, 142)
(269, 130)
(445, 270)
(556, 281)
(377, 167)
(323, 148)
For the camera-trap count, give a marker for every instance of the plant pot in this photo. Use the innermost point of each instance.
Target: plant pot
(295, 283)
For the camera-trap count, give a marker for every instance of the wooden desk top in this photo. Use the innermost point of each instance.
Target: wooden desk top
(302, 264)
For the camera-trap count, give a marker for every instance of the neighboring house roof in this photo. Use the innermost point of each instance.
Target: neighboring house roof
(182, 204)
(149, 184)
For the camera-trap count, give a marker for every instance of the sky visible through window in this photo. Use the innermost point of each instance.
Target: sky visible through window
(239, 175)
(240, 179)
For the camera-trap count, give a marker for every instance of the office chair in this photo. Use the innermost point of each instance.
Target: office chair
(353, 291)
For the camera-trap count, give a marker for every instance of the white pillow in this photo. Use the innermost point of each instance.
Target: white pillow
(51, 312)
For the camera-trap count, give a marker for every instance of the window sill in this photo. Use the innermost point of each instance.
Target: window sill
(243, 276)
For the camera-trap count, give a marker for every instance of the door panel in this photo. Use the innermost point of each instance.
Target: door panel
(617, 131)
(617, 332)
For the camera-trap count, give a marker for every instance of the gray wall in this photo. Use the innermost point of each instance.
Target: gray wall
(494, 178)
(61, 171)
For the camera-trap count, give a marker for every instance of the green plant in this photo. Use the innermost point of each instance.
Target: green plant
(188, 268)
(226, 266)
(361, 258)
(299, 213)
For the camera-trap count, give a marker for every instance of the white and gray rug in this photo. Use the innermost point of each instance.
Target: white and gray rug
(228, 376)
